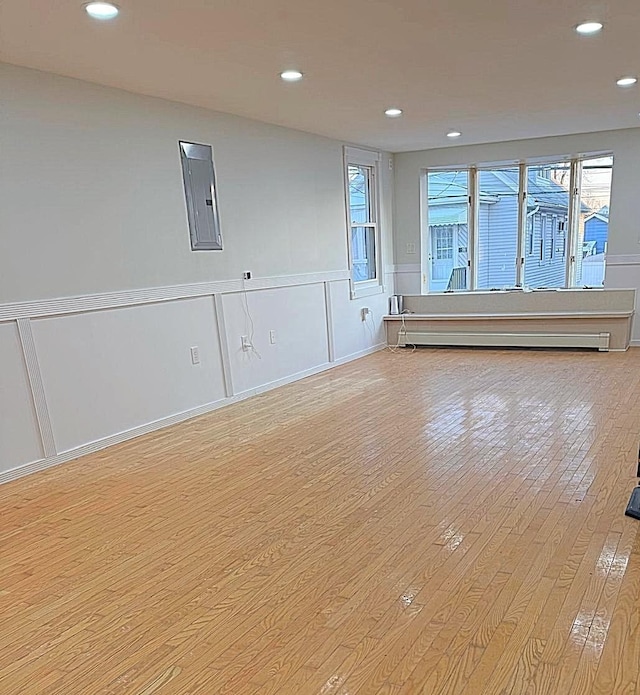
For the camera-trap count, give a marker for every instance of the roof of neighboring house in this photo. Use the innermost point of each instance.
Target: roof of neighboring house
(541, 192)
(596, 216)
(448, 187)
(445, 215)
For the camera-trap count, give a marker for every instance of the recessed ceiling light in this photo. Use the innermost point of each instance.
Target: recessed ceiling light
(587, 28)
(393, 112)
(291, 75)
(101, 10)
(626, 81)
(454, 134)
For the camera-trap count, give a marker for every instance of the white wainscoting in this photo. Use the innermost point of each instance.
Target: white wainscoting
(20, 441)
(297, 315)
(132, 364)
(352, 335)
(624, 272)
(80, 374)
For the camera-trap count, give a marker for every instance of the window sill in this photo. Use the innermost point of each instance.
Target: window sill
(366, 291)
(509, 290)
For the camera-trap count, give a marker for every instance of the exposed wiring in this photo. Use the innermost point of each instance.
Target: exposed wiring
(402, 331)
(249, 324)
(372, 327)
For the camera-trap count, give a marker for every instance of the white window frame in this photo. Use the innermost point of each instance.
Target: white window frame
(356, 156)
(570, 233)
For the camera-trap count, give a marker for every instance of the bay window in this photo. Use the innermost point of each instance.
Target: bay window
(532, 225)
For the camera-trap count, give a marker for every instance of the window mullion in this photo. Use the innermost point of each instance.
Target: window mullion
(574, 219)
(473, 226)
(522, 223)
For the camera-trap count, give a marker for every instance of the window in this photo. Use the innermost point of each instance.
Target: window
(363, 226)
(535, 225)
(498, 202)
(548, 199)
(444, 243)
(447, 240)
(593, 224)
(362, 207)
(561, 240)
(530, 221)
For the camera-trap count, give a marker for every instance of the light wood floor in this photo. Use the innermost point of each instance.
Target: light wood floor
(442, 522)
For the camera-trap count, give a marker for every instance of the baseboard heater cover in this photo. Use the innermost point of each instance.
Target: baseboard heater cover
(598, 341)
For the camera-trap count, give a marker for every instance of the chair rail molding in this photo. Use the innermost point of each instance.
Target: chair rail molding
(112, 300)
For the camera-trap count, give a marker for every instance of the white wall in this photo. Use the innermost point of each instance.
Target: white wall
(91, 196)
(95, 264)
(623, 261)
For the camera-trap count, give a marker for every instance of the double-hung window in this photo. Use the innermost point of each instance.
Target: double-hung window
(361, 175)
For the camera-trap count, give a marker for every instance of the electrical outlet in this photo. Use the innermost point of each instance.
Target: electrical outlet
(246, 343)
(246, 275)
(195, 355)
(364, 312)
(272, 337)
(411, 248)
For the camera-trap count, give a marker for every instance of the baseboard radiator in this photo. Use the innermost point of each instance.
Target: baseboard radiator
(597, 341)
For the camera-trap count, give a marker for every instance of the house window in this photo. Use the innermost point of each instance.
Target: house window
(561, 238)
(530, 230)
(528, 225)
(593, 226)
(549, 195)
(363, 225)
(447, 242)
(444, 243)
(361, 171)
(497, 247)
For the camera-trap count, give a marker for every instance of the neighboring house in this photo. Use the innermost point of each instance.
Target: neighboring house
(596, 234)
(596, 229)
(546, 230)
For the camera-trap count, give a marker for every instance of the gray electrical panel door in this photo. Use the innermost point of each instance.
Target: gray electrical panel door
(200, 193)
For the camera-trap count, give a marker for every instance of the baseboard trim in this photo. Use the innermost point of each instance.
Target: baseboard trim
(634, 343)
(99, 444)
(308, 372)
(360, 353)
(111, 440)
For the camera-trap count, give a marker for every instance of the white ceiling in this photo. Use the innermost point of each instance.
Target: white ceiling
(496, 70)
